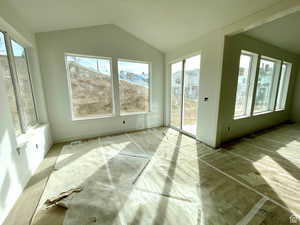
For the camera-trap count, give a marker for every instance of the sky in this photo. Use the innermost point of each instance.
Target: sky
(18, 50)
(104, 65)
(133, 67)
(2, 45)
(245, 61)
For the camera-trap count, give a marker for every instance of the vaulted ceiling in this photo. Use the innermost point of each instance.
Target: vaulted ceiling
(164, 24)
(283, 33)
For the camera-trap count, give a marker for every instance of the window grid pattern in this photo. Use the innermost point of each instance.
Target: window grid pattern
(269, 89)
(95, 91)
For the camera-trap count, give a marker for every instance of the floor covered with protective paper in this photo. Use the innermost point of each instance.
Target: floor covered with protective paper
(161, 177)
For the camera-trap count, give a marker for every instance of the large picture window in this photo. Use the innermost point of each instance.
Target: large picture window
(176, 93)
(5, 71)
(90, 86)
(264, 86)
(245, 79)
(283, 85)
(15, 71)
(24, 82)
(184, 93)
(134, 86)
(270, 82)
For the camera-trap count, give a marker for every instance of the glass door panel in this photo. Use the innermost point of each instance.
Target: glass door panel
(176, 94)
(191, 94)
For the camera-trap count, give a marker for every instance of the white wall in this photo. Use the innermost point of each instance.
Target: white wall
(105, 40)
(296, 96)
(17, 168)
(229, 127)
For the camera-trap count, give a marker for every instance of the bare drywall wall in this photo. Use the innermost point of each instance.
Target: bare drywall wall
(17, 166)
(108, 41)
(230, 128)
(211, 49)
(296, 96)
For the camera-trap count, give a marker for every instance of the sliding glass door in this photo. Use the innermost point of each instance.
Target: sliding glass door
(185, 94)
(176, 94)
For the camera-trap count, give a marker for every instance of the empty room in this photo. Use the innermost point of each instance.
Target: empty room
(141, 112)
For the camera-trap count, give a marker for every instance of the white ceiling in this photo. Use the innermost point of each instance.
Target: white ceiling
(164, 24)
(283, 33)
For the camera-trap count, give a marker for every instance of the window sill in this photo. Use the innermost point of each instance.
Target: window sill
(24, 138)
(134, 113)
(262, 113)
(110, 116)
(93, 118)
(241, 117)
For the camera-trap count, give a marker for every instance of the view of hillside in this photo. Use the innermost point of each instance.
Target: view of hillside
(92, 92)
(26, 100)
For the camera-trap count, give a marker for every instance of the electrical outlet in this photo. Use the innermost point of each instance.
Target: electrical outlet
(75, 142)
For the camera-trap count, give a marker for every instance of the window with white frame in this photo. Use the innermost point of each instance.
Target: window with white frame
(283, 85)
(265, 85)
(245, 84)
(15, 71)
(24, 81)
(134, 86)
(270, 82)
(90, 86)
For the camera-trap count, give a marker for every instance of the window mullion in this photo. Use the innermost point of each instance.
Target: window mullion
(116, 94)
(182, 94)
(255, 85)
(248, 86)
(32, 89)
(15, 81)
(277, 86)
(150, 87)
(286, 83)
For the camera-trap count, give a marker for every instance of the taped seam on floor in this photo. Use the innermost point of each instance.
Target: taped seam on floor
(278, 142)
(231, 177)
(179, 148)
(252, 161)
(267, 150)
(247, 186)
(175, 145)
(249, 142)
(140, 173)
(157, 136)
(166, 196)
(134, 142)
(252, 212)
(134, 156)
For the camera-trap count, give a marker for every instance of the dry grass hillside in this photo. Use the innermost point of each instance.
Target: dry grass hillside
(26, 100)
(92, 93)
